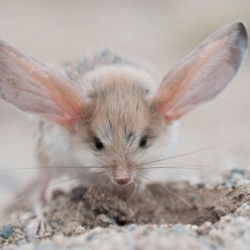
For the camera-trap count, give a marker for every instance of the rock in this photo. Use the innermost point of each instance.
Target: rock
(74, 228)
(6, 231)
(104, 220)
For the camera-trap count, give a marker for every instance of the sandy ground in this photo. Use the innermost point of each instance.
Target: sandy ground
(176, 215)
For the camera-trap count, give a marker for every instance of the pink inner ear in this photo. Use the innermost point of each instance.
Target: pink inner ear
(64, 96)
(59, 90)
(63, 120)
(185, 85)
(175, 115)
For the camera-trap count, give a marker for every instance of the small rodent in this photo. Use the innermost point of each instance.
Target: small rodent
(109, 114)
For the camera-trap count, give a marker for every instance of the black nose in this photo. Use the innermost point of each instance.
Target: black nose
(122, 181)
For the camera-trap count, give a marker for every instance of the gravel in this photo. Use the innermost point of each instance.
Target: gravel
(222, 211)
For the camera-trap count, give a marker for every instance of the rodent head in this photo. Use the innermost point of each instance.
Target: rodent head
(123, 127)
(120, 122)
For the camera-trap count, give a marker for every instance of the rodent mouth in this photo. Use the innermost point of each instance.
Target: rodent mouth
(122, 181)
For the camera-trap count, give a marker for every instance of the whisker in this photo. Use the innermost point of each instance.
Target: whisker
(82, 200)
(192, 152)
(85, 177)
(79, 203)
(74, 194)
(179, 197)
(135, 189)
(189, 167)
(168, 196)
(105, 187)
(92, 203)
(30, 193)
(140, 155)
(60, 207)
(144, 189)
(199, 167)
(150, 193)
(15, 201)
(62, 167)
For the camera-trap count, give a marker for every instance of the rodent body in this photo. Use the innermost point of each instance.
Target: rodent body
(108, 115)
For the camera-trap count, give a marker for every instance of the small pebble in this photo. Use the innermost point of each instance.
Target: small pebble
(200, 185)
(97, 230)
(237, 171)
(193, 227)
(179, 228)
(105, 220)
(6, 231)
(204, 228)
(240, 219)
(244, 182)
(59, 238)
(80, 230)
(71, 228)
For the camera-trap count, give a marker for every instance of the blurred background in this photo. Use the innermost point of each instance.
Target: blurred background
(160, 32)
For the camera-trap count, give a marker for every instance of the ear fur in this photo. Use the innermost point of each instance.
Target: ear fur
(204, 73)
(35, 88)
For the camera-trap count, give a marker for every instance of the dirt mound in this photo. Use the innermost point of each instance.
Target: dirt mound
(170, 204)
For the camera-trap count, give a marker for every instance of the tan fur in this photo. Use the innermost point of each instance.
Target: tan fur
(122, 112)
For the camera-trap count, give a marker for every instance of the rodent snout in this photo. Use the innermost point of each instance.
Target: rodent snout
(121, 173)
(122, 181)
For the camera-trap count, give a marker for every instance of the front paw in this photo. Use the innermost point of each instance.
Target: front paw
(38, 227)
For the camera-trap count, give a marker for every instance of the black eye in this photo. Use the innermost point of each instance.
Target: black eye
(143, 142)
(98, 144)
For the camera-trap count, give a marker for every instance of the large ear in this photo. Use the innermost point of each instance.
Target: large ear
(204, 73)
(35, 88)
